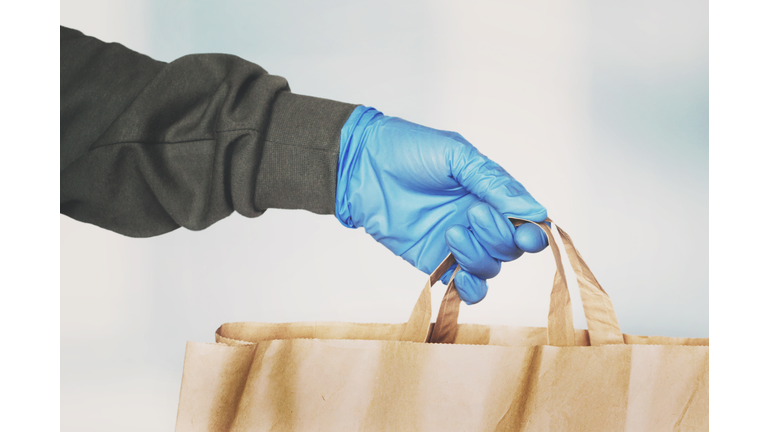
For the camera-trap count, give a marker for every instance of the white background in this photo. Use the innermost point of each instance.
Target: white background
(600, 109)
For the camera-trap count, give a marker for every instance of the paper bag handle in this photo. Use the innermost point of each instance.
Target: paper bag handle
(417, 328)
(601, 318)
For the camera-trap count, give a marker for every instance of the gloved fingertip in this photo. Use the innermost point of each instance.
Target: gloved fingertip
(471, 289)
(530, 238)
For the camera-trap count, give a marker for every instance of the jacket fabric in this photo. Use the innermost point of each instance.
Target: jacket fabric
(148, 146)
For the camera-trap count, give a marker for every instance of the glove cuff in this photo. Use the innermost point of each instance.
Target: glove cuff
(350, 145)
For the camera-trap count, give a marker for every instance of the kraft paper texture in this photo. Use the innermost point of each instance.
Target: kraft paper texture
(329, 376)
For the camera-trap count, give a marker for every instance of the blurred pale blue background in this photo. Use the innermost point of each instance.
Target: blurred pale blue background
(600, 108)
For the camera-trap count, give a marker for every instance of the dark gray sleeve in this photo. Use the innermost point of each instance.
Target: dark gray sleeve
(148, 146)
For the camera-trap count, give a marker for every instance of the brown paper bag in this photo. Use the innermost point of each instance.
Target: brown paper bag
(415, 376)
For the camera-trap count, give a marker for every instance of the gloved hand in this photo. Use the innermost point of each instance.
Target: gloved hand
(422, 192)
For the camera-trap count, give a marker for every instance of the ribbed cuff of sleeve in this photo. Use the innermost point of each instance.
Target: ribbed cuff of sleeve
(299, 163)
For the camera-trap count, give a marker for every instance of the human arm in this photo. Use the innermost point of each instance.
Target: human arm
(148, 146)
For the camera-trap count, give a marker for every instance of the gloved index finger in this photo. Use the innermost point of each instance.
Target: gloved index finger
(494, 232)
(529, 237)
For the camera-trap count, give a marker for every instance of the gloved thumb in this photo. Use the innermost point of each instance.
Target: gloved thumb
(489, 182)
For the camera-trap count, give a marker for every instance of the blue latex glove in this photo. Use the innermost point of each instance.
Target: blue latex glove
(422, 192)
